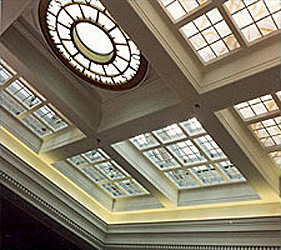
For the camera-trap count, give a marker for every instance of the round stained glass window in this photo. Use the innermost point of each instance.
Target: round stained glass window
(88, 41)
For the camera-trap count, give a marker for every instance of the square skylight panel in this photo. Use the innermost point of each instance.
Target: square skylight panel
(207, 174)
(193, 127)
(130, 187)
(36, 126)
(208, 145)
(5, 74)
(276, 157)
(210, 35)
(230, 170)
(50, 118)
(94, 156)
(182, 178)
(11, 105)
(255, 19)
(169, 134)
(268, 132)
(161, 158)
(144, 141)
(112, 189)
(278, 93)
(256, 107)
(93, 173)
(23, 94)
(110, 169)
(179, 8)
(186, 152)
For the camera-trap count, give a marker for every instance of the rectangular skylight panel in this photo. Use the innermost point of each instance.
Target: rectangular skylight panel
(77, 160)
(130, 187)
(210, 35)
(23, 94)
(179, 8)
(256, 107)
(93, 173)
(95, 156)
(112, 189)
(36, 126)
(5, 74)
(268, 132)
(11, 105)
(51, 118)
(208, 175)
(187, 152)
(144, 141)
(276, 157)
(169, 133)
(161, 158)
(181, 178)
(110, 169)
(193, 127)
(208, 145)
(255, 19)
(231, 171)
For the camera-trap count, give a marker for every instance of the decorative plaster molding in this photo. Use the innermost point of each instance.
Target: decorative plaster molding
(192, 247)
(48, 208)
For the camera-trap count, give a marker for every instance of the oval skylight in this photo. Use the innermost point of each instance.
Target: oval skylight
(89, 42)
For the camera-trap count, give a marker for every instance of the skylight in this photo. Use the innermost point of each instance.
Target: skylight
(188, 156)
(88, 40)
(106, 173)
(262, 117)
(216, 28)
(210, 35)
(255, 19)
(179, 8)
(21, 100)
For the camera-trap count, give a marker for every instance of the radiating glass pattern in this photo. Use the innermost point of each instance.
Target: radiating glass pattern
(179, 8)
(21, 100)
(255, 19)
(256, 107)
(184, 152)
(262, 117)
(106, 173)
(210, 35)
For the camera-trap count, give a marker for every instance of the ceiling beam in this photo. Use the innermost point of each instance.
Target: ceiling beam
(127, 156)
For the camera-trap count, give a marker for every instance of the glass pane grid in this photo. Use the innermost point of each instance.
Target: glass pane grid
(268, 132)
(179, 8)
(207, 174)
(181, 178)
(208, 145)
(23, 94)
(112, 189)
(276, 157)
(51, 118)
(5, 74)
(169, 133)
(210, 35)
(161, 158)
(255, 19)
(255, 107)
(230, 171)
(11, 105)
(193, 127)
(144, 141)
(130, 187)
(187, 152)
(36, 126)
(104, 171)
